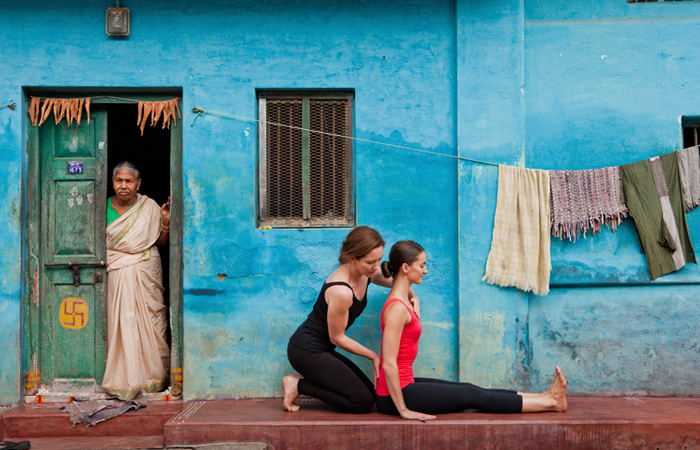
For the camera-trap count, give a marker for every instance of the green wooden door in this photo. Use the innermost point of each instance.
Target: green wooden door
(73, 220)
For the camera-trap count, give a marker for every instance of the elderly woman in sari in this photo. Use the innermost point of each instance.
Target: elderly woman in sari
(137, 352)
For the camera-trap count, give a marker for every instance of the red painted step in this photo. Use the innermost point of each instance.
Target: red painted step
(33, 421)
(96, 443)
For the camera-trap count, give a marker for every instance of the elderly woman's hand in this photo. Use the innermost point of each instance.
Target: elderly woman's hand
(165, 212)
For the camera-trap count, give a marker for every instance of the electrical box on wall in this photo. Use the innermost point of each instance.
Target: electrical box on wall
(118, 21)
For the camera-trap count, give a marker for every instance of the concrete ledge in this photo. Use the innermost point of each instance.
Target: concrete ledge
(589, 423)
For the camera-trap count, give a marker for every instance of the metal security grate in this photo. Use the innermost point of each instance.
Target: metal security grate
(328, 158)
(306, 178)
(284, 186)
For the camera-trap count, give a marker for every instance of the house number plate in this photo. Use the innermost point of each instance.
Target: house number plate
(75, 167)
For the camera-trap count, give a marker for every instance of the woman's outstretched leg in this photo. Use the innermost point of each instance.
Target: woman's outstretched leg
(290, 383)
(553, 400)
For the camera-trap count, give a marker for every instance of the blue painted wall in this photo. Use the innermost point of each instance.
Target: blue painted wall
(550, 85)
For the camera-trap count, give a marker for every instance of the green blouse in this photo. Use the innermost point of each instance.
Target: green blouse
(112, 213)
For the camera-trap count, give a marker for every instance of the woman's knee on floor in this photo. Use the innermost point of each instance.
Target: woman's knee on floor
(362, 403)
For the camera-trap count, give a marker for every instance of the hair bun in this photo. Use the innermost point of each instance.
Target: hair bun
(387, 269)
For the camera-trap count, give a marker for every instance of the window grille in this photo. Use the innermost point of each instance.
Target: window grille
(305, 177)
(691, 131)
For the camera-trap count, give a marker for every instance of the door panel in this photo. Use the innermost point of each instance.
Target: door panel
(74, 330)
(75, 212)
(73, 317)
(71, 142)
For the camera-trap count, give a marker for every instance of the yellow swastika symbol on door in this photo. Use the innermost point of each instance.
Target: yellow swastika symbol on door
(73, 313)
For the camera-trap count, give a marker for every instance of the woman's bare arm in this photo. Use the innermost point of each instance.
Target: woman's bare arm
(339, 300)
(395, 318)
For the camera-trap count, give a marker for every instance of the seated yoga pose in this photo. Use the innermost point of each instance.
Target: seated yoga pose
(326, 374)
(398, 393)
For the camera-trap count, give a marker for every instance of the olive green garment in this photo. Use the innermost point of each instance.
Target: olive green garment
(642, 199)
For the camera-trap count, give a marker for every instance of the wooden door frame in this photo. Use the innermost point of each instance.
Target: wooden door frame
(32, 226)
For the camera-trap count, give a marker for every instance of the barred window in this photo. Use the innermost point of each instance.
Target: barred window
(305, 167)
(691, 132)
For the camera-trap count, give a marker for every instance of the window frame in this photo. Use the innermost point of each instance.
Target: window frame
(263, 219)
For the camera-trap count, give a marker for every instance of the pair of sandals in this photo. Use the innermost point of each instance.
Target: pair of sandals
(22, 445)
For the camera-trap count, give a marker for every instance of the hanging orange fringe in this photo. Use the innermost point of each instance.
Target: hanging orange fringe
(154, 110)
(70, 108)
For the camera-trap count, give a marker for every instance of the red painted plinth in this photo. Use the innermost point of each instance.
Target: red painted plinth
(590, 423)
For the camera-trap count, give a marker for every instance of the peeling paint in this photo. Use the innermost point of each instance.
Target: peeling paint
(35, 288)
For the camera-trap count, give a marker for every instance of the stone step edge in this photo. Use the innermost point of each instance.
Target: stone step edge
(64, 397)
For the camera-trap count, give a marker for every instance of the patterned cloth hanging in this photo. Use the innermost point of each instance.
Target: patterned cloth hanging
(689, 165)
(583, 200)
(70, 108)
(154, 110)
(652, 190)
(519, 253)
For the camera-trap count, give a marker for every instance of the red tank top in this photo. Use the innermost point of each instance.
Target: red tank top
(408, 350)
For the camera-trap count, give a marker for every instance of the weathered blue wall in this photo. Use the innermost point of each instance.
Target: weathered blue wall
(10, 246)
(398, 59)
(606, 84)
(550, 85)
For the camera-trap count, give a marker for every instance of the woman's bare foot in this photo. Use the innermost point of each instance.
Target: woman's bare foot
(557, 391)
(290, 384)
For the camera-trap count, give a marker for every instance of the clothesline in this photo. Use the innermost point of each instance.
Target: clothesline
(201, 112)
(12, 106)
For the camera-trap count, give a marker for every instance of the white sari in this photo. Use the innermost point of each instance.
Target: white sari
(137, 352)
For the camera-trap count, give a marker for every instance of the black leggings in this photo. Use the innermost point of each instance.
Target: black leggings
(332, 378)
(431, 396)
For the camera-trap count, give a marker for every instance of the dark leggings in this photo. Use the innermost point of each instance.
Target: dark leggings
(332, 378)
(431, 396)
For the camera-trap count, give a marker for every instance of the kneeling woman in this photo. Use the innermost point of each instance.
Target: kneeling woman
(399, 393)
(328, 375)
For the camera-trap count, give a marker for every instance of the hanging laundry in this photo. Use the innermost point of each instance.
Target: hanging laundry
(519, 253)
(689, 165)
(583, 200)
(154, 110)
(652, 191)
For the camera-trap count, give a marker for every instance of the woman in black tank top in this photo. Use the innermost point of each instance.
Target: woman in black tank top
(324, 373)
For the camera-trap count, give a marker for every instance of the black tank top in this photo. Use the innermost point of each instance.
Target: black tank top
(313, 333)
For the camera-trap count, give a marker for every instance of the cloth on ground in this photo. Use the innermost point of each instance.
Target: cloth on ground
(519, 253)
(689, 165)
(652, 192)
(582, 200)
(91, 412)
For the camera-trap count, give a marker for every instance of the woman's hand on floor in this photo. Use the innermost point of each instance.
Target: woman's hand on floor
(414, 415)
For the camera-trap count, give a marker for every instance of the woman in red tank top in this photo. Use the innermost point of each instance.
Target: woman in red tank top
(399, 393)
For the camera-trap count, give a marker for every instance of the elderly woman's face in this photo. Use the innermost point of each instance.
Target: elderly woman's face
(125, 186)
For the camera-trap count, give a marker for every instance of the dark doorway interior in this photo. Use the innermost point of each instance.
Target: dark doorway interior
(151, 154)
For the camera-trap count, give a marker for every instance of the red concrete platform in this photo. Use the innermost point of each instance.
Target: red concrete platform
(590, 423)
